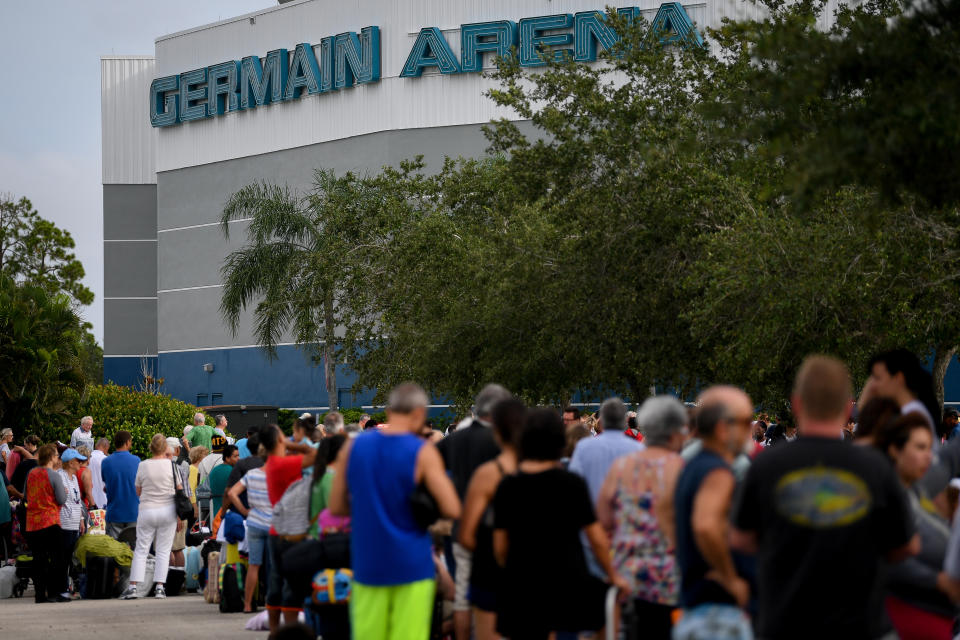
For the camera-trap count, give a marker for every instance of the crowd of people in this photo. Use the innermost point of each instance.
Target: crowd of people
(691, 522)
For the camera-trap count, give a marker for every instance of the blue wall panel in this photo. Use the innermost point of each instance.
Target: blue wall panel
(125, 371)
(246, 376)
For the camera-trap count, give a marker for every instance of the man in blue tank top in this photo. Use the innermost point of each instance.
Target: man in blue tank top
(392, 555)
(711, 593)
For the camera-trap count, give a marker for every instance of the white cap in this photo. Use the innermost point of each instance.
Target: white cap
(304, 416)
(173, 443)
(187, 429)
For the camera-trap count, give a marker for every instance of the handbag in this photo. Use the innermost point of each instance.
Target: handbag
(424, 507)
(180, 499)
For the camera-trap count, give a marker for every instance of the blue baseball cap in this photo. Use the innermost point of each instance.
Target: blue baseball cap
(72, 454)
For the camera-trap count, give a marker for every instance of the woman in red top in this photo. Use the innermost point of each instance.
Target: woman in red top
(45, 495)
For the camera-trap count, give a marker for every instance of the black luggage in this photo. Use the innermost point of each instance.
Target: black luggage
(101, 577)
(231, 587)
(176, 577)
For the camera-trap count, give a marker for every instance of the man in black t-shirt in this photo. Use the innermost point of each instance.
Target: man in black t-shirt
(822, 514)
(462, 452)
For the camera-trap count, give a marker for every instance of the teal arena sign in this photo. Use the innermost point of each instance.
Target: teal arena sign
(347, 59)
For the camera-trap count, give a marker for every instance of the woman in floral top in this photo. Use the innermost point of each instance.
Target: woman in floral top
(45, 495)
(636, 506)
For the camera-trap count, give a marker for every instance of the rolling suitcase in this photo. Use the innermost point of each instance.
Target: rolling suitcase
(101, 576)
(194, 565)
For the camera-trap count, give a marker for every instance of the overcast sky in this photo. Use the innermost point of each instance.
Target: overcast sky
(50, 107)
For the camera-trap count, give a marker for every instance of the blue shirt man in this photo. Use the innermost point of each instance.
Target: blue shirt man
(593, 458)
(119, 472)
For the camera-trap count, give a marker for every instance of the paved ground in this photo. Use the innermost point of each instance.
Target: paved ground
(185, 616)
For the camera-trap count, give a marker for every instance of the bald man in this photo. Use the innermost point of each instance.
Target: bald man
(738, 402)
(712, 593)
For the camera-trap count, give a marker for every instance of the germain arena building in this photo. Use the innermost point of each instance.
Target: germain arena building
(273, 95)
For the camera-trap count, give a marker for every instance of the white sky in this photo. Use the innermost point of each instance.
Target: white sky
(50, 103)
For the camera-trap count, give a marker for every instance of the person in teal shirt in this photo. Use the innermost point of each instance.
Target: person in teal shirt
(220, 474)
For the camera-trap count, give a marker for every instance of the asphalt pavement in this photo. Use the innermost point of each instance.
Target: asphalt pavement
(184, 616)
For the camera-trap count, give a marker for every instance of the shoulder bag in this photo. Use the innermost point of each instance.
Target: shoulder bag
(180, 499)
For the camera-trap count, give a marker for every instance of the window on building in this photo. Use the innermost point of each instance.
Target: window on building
(216, 398)
(203, 399)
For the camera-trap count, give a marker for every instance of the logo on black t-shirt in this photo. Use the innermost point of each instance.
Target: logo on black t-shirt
(822, 497)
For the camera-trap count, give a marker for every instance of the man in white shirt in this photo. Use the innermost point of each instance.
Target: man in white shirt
(83, 435)
(96, 476)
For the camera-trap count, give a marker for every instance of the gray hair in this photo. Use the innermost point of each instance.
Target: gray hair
(353, 427)
(407, 398)
(333, 423)
(102, 443)
(198, 419)
(86, 420)
(219, 419)
(488, 398)
(660, 418)
(613, 415)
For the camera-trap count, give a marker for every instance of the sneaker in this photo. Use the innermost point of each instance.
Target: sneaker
(159, 593)
(130, 593)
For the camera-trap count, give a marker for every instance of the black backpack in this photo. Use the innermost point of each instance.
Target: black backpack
(232, 578)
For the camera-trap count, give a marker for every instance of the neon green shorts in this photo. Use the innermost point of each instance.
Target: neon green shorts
(399, 612)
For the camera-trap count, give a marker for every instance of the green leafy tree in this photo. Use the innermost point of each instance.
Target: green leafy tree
(91, 356)
(852, 246)
(778, 285)
(553, 266)
(41, 373)
(35, 250)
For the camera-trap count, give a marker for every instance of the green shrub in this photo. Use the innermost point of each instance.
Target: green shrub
(285, 418)
(115, 408)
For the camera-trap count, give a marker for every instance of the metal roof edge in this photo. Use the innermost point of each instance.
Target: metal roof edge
(245, 16)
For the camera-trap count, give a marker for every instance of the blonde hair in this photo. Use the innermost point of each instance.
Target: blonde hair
(197, 454)
(158, 444)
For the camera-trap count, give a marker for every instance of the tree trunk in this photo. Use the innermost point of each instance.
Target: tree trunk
(329, 353)
(941, 361)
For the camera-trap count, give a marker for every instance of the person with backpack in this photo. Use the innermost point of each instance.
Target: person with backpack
(376, 476)
(282, 470)
(258, 512)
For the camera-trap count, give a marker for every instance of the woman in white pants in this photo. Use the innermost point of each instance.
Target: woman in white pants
(157, 519)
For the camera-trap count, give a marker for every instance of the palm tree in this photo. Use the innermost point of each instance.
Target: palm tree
(294, 269)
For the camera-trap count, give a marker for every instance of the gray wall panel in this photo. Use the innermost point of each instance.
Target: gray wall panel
(129, 211)
(195, 196)
(191, 320)
(193, 257)
(129, 327)
(129, 269)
